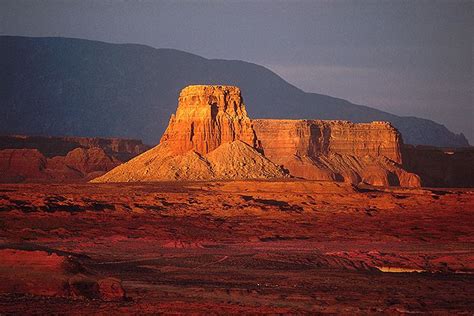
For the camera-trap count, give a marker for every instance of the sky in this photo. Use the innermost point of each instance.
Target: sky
(411, 58)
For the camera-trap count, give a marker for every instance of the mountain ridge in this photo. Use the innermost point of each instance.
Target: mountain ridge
(129, 90)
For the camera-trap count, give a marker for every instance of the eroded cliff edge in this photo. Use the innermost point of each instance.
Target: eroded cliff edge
(212, 137)
(336, 150)
(207, 117)
(209, 137)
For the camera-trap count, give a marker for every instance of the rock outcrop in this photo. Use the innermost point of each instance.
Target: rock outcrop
(38, 272)
(50, 146)
(212, 137)
(85, 162)
(209, 137)
(207, 117)
(62, 159)
(336, 150)
(19, 164)
(316, 137)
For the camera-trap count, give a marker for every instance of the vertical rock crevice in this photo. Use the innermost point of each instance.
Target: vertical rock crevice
(217, 114)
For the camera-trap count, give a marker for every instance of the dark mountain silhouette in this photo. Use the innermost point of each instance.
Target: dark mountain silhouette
(63, 86)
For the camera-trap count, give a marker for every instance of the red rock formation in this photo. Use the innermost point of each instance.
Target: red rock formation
(20, 164)
(122, 149)
(85, 163)
(208, 116)
(316, 137)
(37, 158)
(89, 160)
(210, 137)
(52, 274)
(336, 150)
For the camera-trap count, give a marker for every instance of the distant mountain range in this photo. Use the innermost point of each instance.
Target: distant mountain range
(75, 87)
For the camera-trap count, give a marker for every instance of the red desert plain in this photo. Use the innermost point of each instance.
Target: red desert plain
(229, 215)
(235, 247)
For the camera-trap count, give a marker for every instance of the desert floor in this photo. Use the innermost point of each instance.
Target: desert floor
(248, 246)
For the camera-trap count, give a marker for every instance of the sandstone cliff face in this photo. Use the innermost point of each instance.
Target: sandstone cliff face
(209, 137)
(212, 137)
(316, 137)
(336, 150)
(208, 116)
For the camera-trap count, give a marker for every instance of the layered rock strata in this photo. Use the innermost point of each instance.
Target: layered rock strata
(209, 137)
(207, 117)
(212, 137)
(317, 137)
(336, 150)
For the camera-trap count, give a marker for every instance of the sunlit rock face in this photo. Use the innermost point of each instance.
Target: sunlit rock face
(316, 137)
(209, 137)
(208, 116)
(212, 137)
(336, 150)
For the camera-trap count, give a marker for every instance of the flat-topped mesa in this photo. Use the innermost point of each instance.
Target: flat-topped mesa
(208, 116)
(336, 150)
(378, 138)
(283, 138)
(212, 137)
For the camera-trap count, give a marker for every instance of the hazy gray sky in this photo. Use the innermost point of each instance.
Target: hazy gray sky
(405, 57)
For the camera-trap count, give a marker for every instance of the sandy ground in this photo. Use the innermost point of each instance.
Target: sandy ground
(248, 246)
